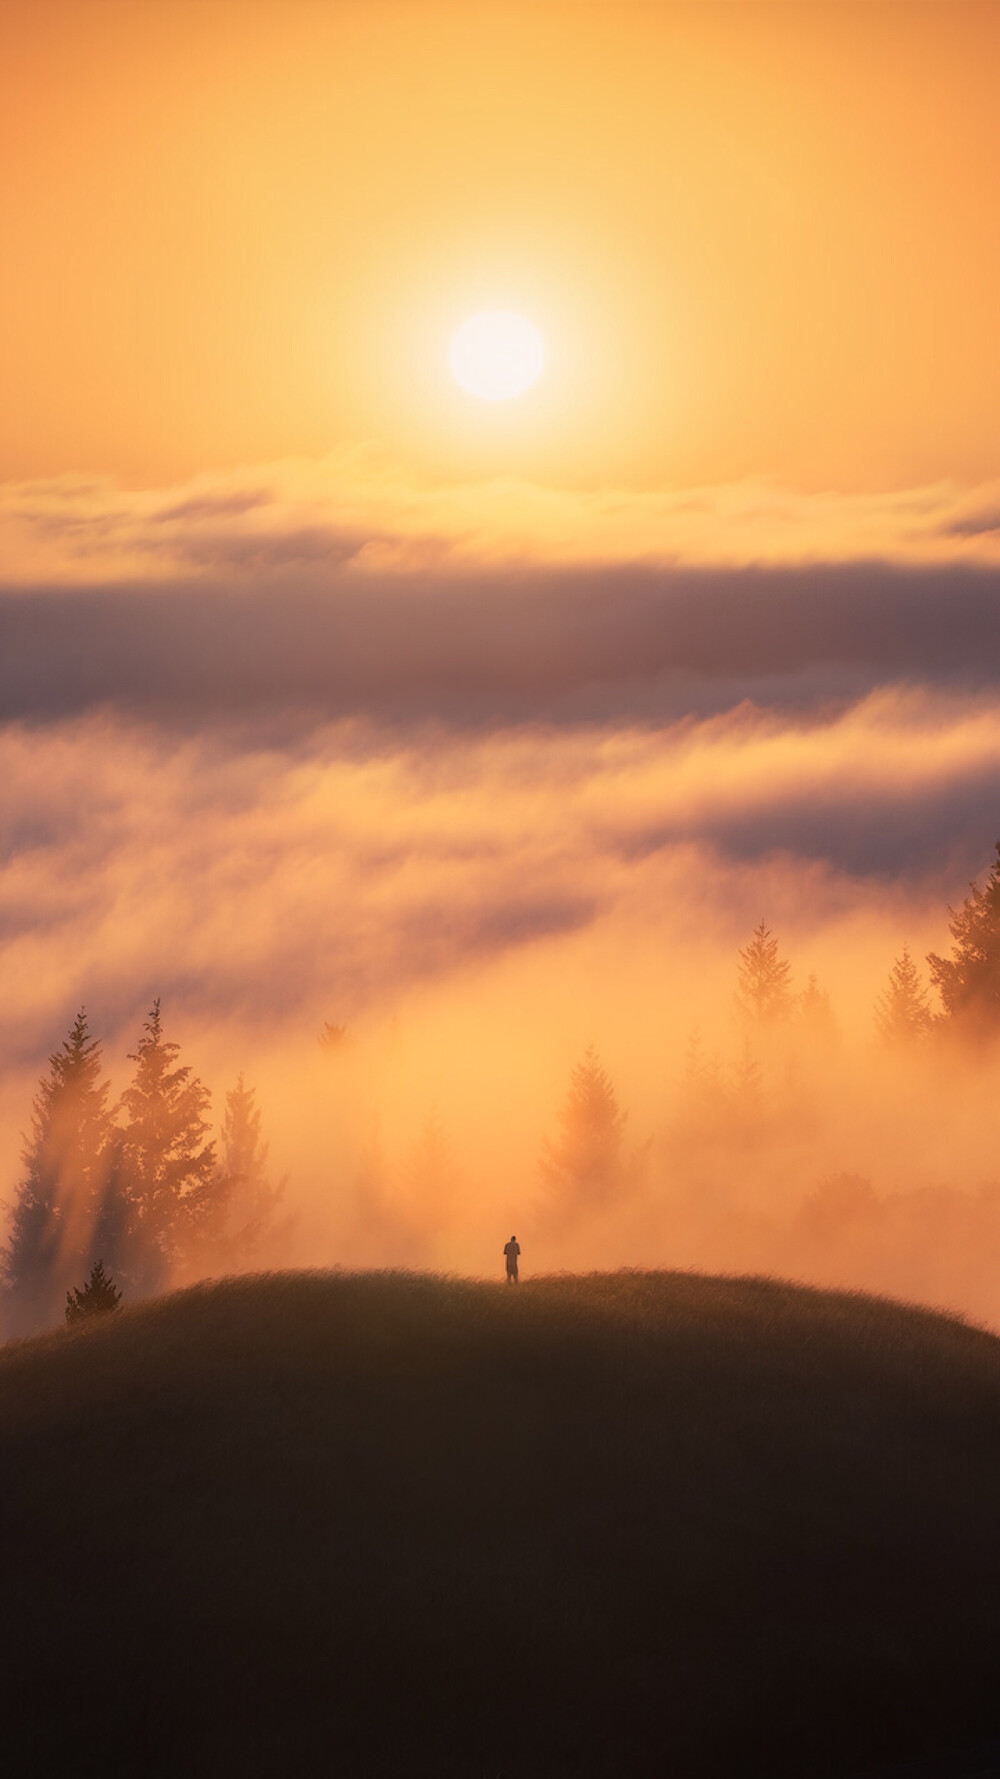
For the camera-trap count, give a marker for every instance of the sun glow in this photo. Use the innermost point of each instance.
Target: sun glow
(497, 355)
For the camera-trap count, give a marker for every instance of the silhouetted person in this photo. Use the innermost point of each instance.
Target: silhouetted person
(511, 1252)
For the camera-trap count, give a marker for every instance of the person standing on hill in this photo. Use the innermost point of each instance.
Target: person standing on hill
(511, 1252)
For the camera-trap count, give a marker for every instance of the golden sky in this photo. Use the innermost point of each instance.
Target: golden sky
(330, 693)
(760, 240)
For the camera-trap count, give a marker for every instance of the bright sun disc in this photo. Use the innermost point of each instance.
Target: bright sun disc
(496, 355)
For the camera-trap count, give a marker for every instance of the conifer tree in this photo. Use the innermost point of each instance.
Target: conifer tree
(247, 1201)
(67, 1165)
(583, 1166)
(969, 981)
(902, 1015)
(764, 980)
(172, 1176)
(99, 1296)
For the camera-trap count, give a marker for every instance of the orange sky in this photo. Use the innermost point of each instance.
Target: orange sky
(760, 240)
(329, 693)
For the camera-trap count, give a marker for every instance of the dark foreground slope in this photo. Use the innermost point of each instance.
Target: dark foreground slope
(620, 1525)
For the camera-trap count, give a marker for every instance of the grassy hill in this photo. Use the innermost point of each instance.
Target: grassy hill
(392, 1525)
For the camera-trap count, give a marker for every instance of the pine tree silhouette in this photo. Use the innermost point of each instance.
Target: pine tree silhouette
(243, 1220)
(172, 1176)
(969, 981)
(764, 980)
(98, 1297)
(584, 1163)
(902, 1015)
(66, 1182)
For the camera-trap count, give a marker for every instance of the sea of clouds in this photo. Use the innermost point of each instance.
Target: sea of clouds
(485, 776)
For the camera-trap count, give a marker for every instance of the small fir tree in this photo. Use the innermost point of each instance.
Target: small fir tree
(67, 1166)
(247, 1201)
(902, 1015)
(98, 1298)
(764, 980)
(583, 1166)
(969, 981)
(172, 1176)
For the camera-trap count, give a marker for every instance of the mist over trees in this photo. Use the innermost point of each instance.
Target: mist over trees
(136, 1188)
(246, 1207)
(583, 1164)
(781, 1140)
(763, 980)
(902, 1011)
(764, 1148)
(172, 1181)
(69, 1177)
(969, 981)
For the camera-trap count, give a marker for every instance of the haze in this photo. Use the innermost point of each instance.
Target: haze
(485, 731)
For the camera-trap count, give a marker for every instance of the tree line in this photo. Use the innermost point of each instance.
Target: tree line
(142, 1188)
(586, 1165)
(967, 982)
(138, 1186)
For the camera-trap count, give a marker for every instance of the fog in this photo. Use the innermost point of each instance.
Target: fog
(471, 912)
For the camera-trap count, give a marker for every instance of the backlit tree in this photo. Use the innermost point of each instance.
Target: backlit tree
(236, 1218)
(763, 981)
(171, 1170)
(583, 1165)
(902, 1014)
(969, 981)
(99, 1296)
(65, 1185)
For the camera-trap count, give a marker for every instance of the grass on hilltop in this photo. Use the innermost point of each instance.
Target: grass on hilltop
(616, 1526)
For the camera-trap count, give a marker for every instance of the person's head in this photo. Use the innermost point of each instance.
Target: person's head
(513, 1238)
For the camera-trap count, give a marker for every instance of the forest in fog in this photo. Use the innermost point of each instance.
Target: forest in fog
(742, 1165)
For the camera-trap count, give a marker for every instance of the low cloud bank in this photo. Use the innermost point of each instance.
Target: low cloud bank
(602, 644)
(310, 772)
(343, 865)
(476, 910)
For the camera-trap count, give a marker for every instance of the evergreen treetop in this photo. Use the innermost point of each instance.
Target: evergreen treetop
(246, 1201)
(902, 1015)
(969, 981)
(66, 1160)
(171, 1167)
(99, 1296)
(764, 980)
(584, 1162)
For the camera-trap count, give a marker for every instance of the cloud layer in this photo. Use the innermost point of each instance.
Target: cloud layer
(495, 604)
(592, 645)
(482, 813)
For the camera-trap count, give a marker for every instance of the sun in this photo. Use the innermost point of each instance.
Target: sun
(496, 355)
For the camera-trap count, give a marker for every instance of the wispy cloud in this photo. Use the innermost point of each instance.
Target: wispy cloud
(476, 908)
(340, 590)
(341, 867)
(484, 794)
(357, 509)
